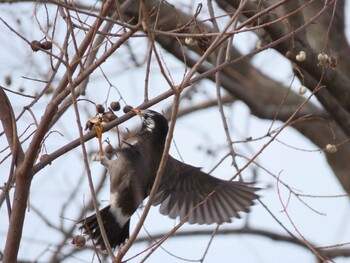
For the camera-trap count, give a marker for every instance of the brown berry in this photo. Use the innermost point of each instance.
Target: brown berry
(47, 45)
(115, 105)
(8, 80)
(332, 61)
(109, 149)
(35, 45)
(289, 54)
(100, 108)
(79, 241)
(203, 43)
(127, 108)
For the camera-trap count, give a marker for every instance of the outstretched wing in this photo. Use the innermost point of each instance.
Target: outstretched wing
(186, 190)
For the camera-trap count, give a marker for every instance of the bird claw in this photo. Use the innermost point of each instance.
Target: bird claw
(105, 161)
(98, 127)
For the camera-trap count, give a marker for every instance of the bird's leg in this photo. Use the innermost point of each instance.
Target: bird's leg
(99, 129)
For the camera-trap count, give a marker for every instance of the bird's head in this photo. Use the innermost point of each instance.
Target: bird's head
(153, 123)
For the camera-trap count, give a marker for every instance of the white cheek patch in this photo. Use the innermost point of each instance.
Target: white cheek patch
(116, 210)
(150, 125)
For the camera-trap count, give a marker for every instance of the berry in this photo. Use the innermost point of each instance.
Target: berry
(109, 149)
(47, 45)
(115, 105)
(35, 45)
(127, 108)
(100, 108)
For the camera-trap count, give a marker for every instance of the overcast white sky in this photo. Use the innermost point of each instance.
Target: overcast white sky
(302, 170)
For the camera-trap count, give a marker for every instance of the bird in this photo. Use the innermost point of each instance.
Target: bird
(185, 191)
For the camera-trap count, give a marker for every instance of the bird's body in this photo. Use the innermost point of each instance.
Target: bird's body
(184, 190)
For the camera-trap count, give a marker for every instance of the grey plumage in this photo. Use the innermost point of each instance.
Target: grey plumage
(184, 187)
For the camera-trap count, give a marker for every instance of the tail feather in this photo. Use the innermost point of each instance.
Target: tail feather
(116, 234)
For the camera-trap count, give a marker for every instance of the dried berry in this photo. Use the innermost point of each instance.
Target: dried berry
(301, 56)
(302, 90)
(331, 148)
(332, 61)
(190, 41)
(100, 108)
(203, 43)
(323, 58)
(289, 54)
(8, 80)
(115, 105)
(127, 108)
(47, 45)
(35, 45)
(109, 149)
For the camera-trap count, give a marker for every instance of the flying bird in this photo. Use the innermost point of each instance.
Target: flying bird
(184, 189)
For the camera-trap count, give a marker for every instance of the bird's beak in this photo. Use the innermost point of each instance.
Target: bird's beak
(136, 111)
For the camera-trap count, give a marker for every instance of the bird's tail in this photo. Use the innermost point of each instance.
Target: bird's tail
(116, 234)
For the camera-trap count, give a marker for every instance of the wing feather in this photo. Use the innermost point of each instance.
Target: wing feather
(184, 187)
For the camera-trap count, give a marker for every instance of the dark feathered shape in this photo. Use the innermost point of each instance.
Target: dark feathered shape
(132, 175)
(184, 190)
(185, 187)
(115, 234)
